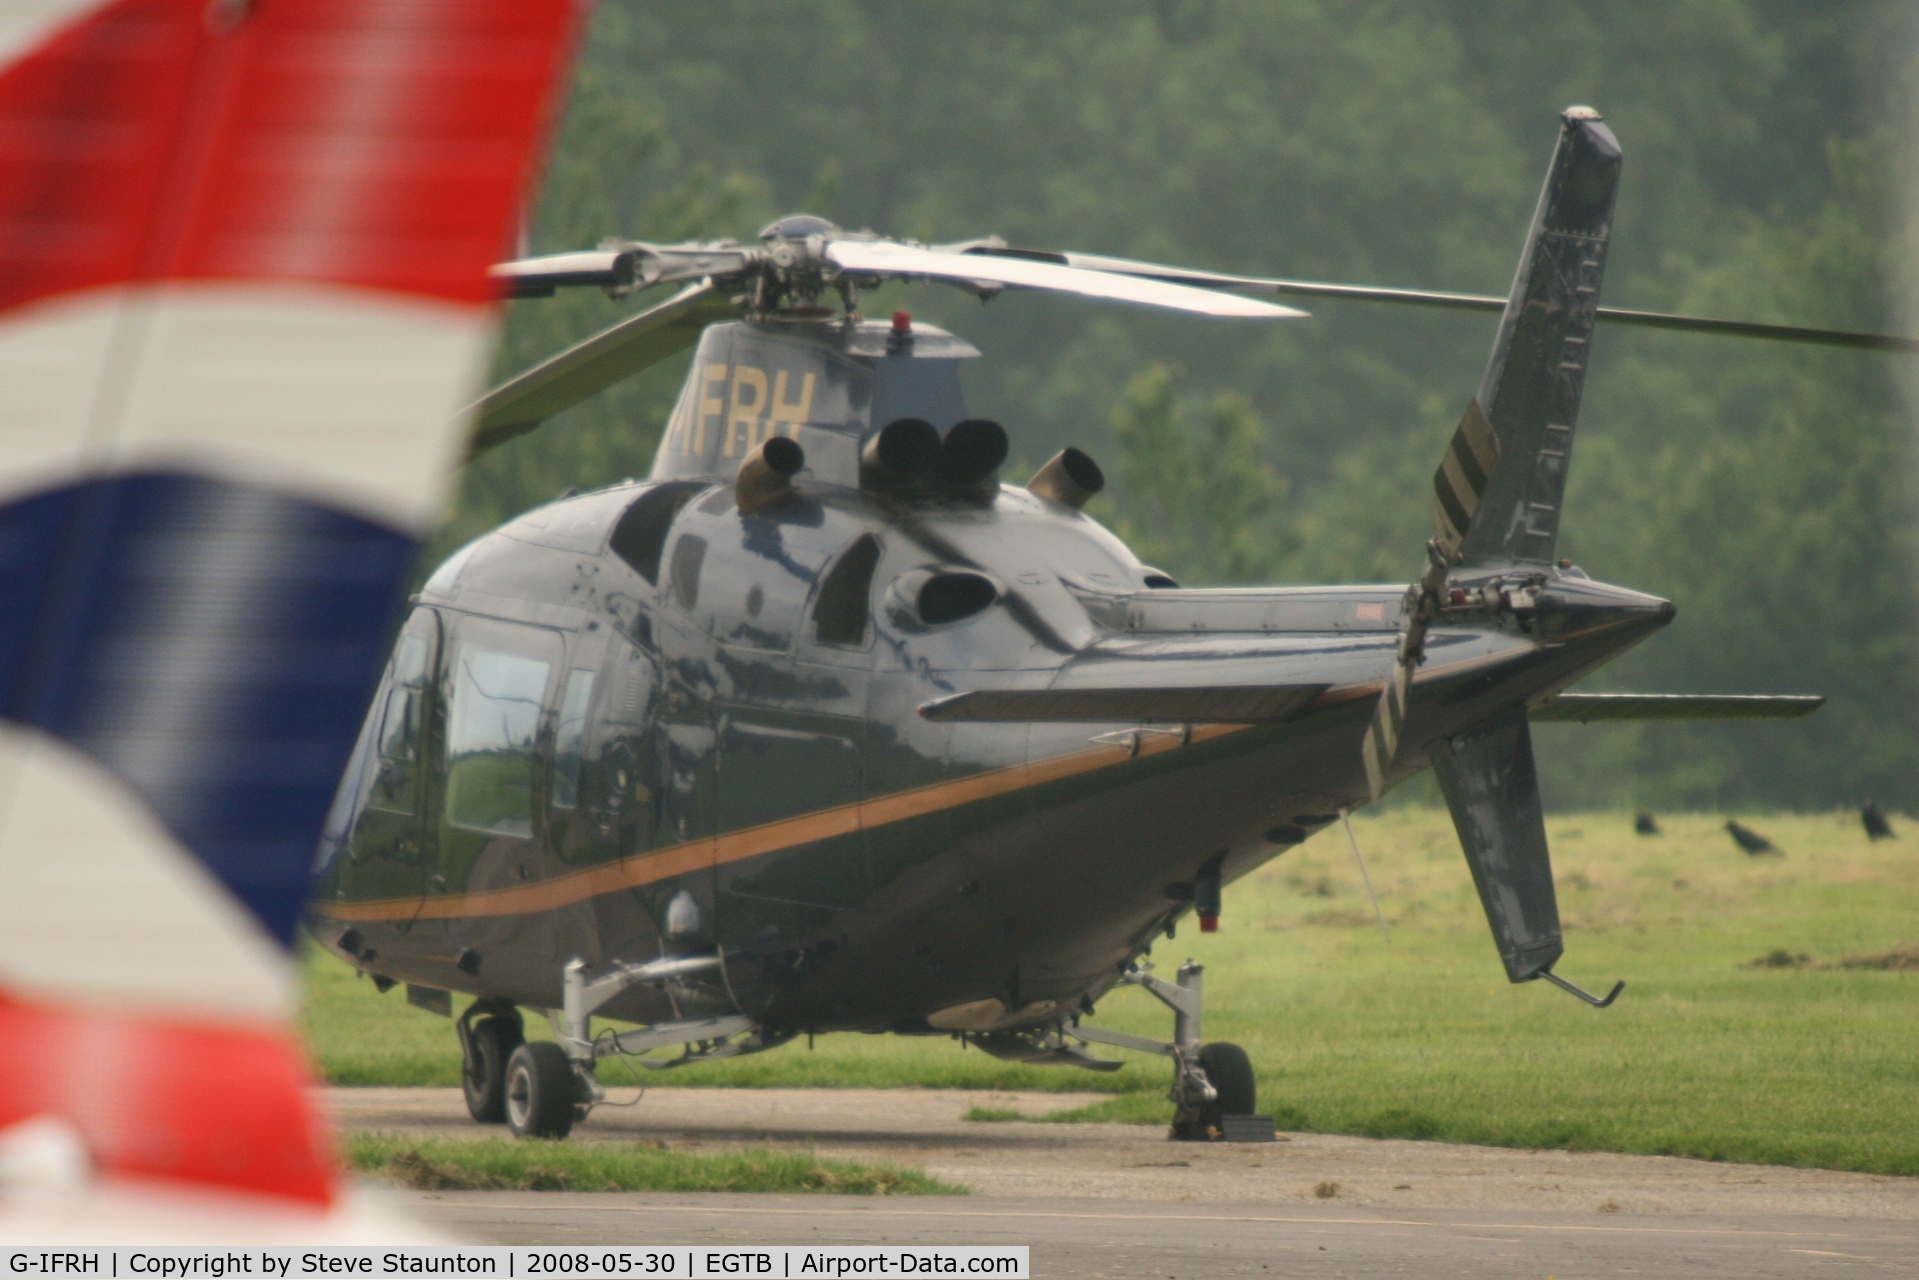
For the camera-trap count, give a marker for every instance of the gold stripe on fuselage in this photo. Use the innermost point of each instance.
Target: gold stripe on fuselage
(807, 828)
(736, 846)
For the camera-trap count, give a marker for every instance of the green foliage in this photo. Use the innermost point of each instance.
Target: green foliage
(1766, 490)
(502, 1164)
(1194, 493)
(604, 180)
(1704, 1055)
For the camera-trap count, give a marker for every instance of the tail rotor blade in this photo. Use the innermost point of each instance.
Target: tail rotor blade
(1381, 744)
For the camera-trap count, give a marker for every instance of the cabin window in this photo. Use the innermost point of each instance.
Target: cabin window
(689, 553)
(492, 733)
(395, 785)
(839, 615)
(569, 737)
(640, 537)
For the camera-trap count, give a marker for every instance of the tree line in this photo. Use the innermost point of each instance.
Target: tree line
(1766, 490)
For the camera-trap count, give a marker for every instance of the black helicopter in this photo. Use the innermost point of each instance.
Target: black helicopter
(825, 727)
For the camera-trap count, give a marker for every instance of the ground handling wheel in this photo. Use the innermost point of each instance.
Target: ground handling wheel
(1230, 1072)
(489, 1043)
(541, 1091)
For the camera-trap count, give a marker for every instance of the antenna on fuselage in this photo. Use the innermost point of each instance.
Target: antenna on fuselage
(1345, 819)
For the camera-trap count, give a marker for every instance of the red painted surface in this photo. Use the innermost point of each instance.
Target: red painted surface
(170, 1099)
(382, 143)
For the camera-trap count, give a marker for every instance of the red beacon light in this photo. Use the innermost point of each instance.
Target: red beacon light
(1206, 896)
(901, 336)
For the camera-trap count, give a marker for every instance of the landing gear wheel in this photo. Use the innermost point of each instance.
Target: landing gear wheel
(1230, 1072)
(541, 1091)
(489, 1044)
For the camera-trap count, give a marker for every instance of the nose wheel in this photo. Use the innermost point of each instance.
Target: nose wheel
(486, 1044)
(542, 1091)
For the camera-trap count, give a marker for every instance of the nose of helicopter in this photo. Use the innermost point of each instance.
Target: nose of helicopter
(1581, 611)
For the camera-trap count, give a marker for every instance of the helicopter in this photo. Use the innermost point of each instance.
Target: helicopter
(825, 726)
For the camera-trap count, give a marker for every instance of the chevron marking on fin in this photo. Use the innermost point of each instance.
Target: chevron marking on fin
(1461, 480)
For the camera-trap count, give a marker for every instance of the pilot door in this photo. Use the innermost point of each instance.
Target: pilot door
(679, 888)
(389, 850)
(603, 791)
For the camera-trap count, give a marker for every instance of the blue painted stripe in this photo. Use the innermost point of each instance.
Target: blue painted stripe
(212, 644)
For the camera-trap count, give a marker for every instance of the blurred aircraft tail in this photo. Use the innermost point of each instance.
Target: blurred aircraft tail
(243, 293)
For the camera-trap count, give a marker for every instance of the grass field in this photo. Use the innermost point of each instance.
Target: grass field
(501, 1164)
(1705, 1054)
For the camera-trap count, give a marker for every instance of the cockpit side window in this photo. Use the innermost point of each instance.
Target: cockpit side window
(396, 784)
(839, 614)
(640, 537)
(492, 736)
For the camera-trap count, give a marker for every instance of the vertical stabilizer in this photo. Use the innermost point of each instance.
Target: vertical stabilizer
(1530, 394)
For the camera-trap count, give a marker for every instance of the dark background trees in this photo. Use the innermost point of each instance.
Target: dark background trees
(1766, 490)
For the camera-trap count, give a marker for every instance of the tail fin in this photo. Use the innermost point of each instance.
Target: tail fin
(243, 290)
(1492, 789)
(1498, 498)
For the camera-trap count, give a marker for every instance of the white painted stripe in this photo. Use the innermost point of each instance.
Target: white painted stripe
(347, 396)
(99, 904)
(26, 24)
(52, 356)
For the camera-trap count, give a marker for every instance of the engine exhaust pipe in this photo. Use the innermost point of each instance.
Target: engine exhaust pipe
(1070, 477)
(971, 453)
(904, 452)
(766, 477)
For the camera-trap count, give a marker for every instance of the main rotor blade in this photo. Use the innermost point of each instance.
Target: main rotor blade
(1455, 301)
(1202, 704)
(517, 406)
(1586, 708)
(882, 258)
(539, 277)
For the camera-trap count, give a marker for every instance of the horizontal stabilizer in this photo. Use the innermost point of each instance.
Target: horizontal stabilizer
(1218, 704)
(1588, 707)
